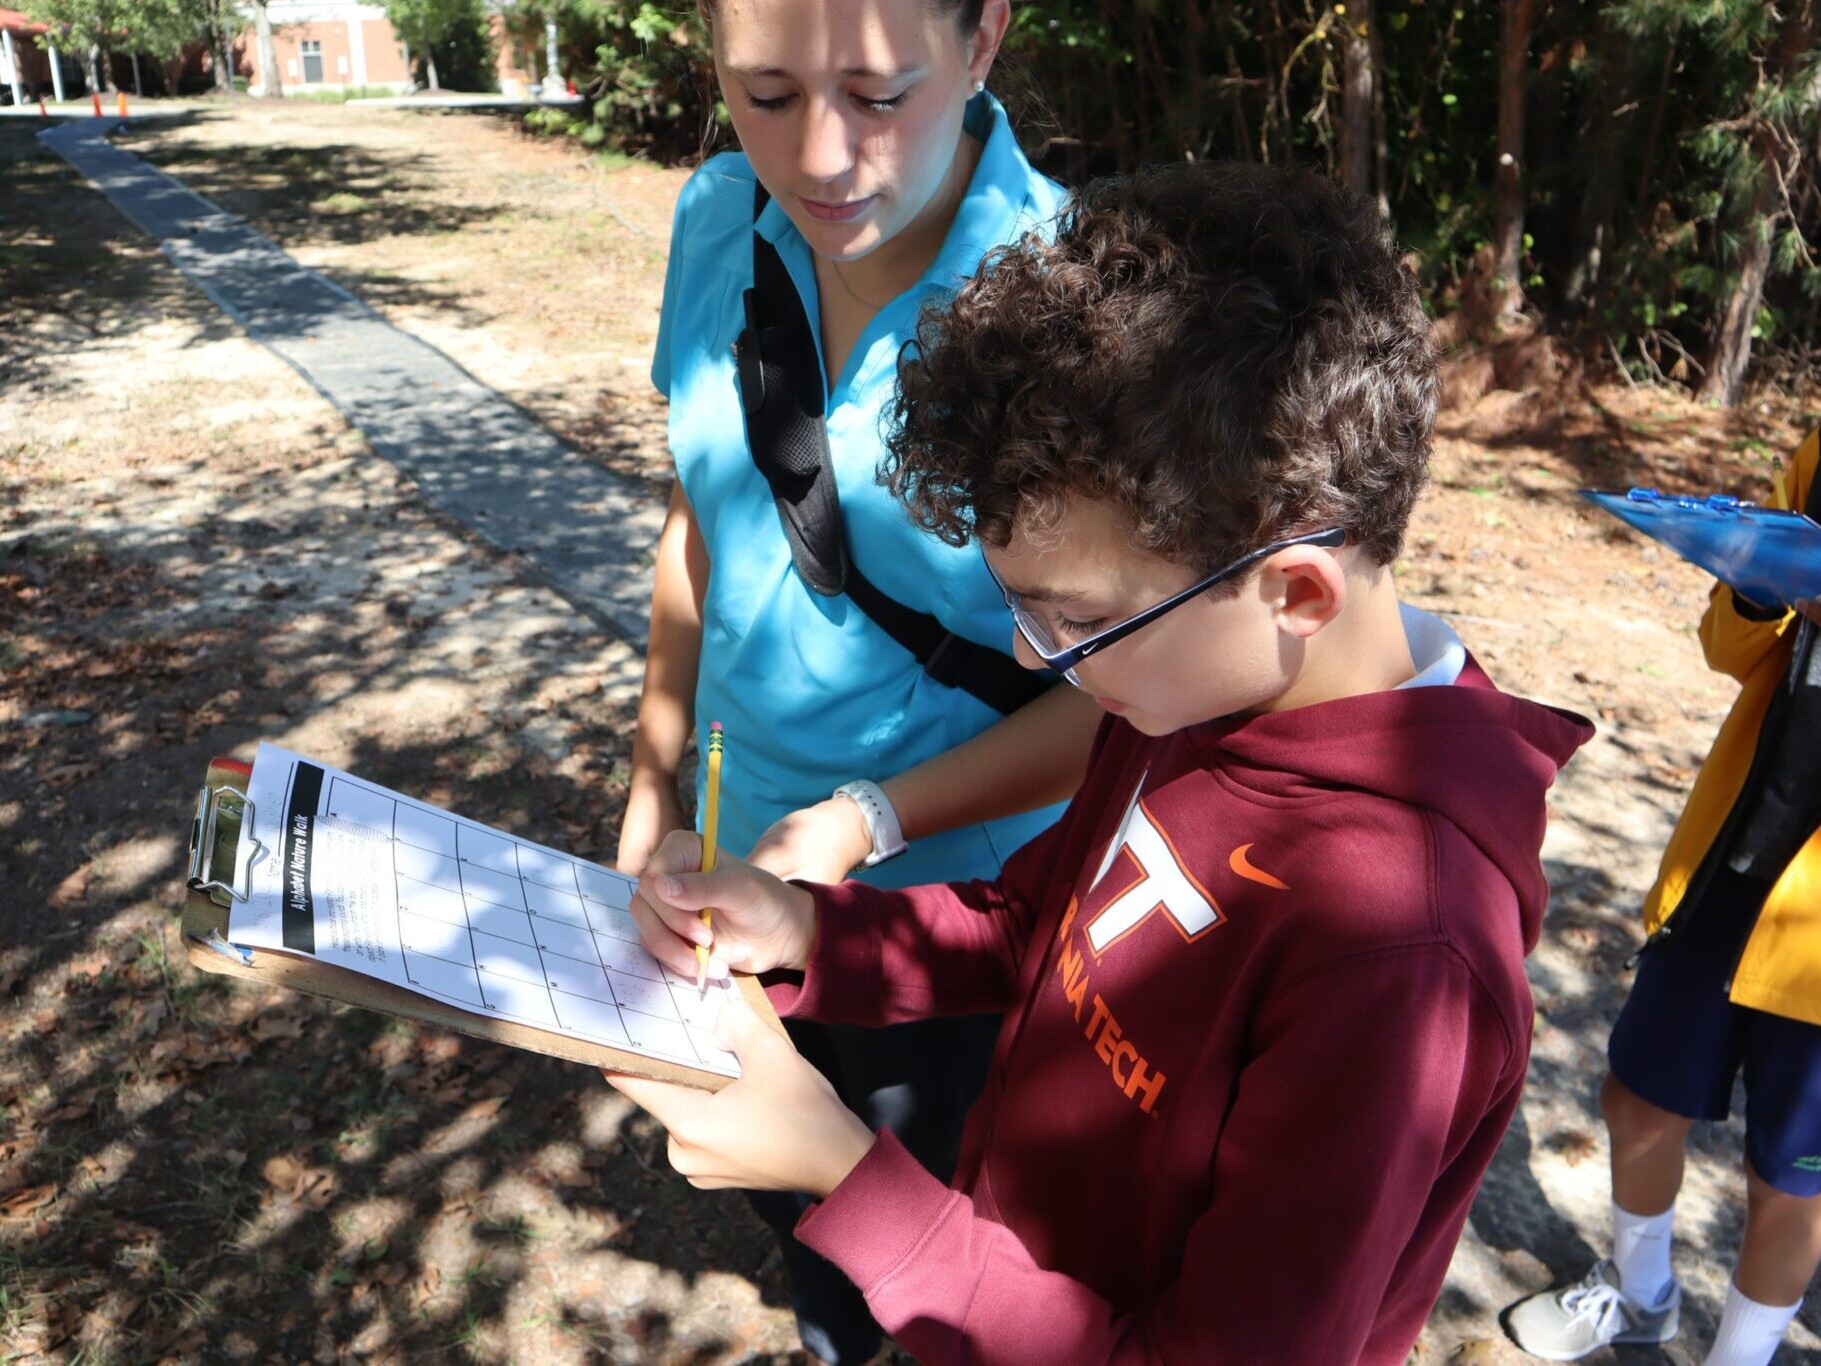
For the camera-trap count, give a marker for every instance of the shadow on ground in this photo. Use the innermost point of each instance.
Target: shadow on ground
(213, 1169)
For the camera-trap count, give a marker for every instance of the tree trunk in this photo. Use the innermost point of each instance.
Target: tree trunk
(1593, 228)
(1197, 138)
(1731, 352)
(1726, 365)
(91, 72)
(1358, 85)
(1508, 185)
(1381, 133)
(1236, 83)
(1548, 200)
(430, 66)
(271, 85)
(222, 41)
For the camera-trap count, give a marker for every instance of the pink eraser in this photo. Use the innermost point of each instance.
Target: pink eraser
(714, 725)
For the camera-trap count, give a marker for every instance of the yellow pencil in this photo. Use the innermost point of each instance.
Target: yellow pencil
(711, 819)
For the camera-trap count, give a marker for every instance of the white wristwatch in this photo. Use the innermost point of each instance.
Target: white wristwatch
(881, 820)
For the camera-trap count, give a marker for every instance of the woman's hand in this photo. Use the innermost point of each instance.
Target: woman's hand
(820, 843)
(760, 923)
(779, 1127)
(653, 810)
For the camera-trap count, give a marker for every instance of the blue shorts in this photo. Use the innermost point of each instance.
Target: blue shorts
(1679, 1043)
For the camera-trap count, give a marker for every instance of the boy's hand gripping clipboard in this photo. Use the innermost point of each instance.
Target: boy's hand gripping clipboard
(216, 883)
(1767, 555)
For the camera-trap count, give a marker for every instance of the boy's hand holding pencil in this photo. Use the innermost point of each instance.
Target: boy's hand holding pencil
(780, 1126)
(760, 922)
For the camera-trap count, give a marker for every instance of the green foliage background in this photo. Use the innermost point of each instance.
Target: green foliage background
(455, 31)
(1640, 165)
(1663, 138)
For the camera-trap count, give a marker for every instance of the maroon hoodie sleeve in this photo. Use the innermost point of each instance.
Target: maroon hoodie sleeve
(1290, 1261)
(883, 957)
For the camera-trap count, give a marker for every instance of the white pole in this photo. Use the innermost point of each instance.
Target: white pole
(12, 66)
(550, 59)
(357, 48)
(138, 82)
(56, 74)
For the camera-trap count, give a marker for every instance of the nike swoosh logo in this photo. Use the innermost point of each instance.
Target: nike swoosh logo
(1244, 866)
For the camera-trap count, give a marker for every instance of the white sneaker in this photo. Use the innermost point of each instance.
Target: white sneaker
(1565, 1325)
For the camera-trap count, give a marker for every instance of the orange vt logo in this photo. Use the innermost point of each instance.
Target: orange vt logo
(1163, 885)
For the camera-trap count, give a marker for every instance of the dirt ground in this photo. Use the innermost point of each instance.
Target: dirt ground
(196, 552)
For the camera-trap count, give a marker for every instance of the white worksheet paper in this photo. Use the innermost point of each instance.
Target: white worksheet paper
(350, 873)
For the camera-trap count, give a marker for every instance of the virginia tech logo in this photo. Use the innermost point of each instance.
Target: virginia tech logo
(1163, 885)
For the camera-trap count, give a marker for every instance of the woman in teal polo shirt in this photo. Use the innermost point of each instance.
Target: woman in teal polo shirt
(891, 173)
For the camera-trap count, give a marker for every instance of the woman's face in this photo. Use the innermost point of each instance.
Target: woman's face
(850, 110)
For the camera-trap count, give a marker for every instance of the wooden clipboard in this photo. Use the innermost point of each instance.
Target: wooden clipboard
(215, 834)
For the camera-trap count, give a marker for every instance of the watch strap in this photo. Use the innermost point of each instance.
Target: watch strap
(881, 820)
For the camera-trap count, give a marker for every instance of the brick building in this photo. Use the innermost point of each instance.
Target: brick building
(329, 45)
(25, 68)
(344, 44)
(321, 45)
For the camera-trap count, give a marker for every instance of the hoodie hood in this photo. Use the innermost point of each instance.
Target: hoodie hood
(1471, 754)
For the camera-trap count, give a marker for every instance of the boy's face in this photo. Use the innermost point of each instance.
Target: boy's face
(1210, 657)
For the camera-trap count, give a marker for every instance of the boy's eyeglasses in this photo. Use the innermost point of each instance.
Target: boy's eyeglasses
(1063, 661)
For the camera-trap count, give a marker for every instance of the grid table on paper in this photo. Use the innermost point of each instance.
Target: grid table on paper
(498, 925)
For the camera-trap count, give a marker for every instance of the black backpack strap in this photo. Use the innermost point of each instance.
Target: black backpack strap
(783, 397)
(954, 661)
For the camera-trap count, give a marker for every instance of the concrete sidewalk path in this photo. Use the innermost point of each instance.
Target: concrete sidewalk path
(586, 532)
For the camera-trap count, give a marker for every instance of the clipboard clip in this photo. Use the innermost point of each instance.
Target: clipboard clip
(205, 839)
(1718, 502)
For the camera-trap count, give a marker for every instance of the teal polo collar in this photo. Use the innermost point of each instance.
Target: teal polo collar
(998, 193)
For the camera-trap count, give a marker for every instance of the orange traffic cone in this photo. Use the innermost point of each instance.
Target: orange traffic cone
(122, 103)
(95, 99)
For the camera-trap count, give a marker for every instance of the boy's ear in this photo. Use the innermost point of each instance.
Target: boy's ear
(1308, 588)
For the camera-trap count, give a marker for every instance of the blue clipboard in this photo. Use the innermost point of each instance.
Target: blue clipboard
(1770, 556)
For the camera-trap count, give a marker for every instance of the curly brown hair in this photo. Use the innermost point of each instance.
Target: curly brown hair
(1228, 353)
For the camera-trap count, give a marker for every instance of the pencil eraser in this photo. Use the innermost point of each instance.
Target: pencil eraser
(714, 725)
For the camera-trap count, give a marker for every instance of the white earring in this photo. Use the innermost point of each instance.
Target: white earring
(979, 86)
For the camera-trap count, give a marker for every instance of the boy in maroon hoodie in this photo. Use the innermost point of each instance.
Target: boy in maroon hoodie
(1265, 1009)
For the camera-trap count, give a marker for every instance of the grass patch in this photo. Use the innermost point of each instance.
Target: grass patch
(16, 1295)
(341, 205)
(342, 94)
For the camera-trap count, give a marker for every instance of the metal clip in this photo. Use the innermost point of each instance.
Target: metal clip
(205, 837)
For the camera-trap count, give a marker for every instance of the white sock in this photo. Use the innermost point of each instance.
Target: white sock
(1640, 1251)
(1749, 1331)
